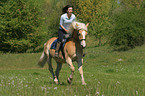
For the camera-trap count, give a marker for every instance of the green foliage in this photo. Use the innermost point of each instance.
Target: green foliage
(131, 3)
(27, 24)
(129, 30)
(52, 11)
(20, 24)
(95, 12)
(100, 13)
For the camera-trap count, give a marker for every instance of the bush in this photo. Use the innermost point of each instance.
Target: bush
(129, 30)
(95, 12)
(20, 25)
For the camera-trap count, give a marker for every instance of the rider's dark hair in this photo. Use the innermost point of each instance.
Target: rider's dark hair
(64, 10)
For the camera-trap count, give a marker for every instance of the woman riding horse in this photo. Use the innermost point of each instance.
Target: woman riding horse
(73, 51)
(65, 20)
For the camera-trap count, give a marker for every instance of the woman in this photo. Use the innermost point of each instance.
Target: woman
(66, 19)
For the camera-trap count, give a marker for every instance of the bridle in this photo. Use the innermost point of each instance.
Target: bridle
(79, 35)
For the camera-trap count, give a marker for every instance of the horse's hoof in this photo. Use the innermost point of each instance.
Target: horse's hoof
(84, 83)
(56, 81)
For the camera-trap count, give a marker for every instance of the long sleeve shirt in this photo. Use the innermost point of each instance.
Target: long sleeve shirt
(65, 21)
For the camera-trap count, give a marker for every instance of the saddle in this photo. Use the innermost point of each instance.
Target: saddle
(66, 37)
(53, 45)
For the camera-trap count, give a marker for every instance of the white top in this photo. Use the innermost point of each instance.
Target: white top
(65, 21)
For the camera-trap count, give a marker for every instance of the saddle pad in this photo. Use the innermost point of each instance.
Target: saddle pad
(53, 45)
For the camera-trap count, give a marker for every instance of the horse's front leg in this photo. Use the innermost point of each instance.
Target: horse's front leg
(80, 63)
(69, 61)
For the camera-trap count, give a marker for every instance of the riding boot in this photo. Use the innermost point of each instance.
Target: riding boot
(57, 49)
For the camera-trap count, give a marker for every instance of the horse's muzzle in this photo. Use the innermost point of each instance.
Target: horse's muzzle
(83, 47)
(83, 43)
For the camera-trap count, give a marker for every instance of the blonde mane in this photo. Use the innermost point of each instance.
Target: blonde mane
(77, 26)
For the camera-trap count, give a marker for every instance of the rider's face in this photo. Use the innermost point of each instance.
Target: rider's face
(70, 10)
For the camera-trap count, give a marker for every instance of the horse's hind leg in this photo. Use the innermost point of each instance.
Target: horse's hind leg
(59, 66)
(50, 66)
(69, 61)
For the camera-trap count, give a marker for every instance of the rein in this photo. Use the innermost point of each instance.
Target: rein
(74, 34)
(77, 36)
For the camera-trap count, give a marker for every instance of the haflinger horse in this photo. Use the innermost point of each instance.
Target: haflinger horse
(73, 51)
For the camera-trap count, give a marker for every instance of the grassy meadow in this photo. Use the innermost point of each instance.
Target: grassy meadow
(107, 73)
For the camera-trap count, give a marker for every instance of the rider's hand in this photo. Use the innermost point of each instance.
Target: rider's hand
(66, 31)
(67, 35)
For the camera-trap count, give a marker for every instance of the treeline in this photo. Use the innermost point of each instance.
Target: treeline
(20, 25)
(26, 24)
(122, 22)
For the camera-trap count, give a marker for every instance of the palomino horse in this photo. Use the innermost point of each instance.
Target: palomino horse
(73, 51)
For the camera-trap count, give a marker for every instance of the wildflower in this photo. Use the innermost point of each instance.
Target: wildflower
(21, 82)
(42, 88)
(97, 93)
(49, 87)
(13, 82)
(118, 82)
(26, 85)
(120, 59)
(55, 88)
(136, 92)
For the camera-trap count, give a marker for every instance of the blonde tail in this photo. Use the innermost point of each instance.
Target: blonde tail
(42, 60)
(45, 55)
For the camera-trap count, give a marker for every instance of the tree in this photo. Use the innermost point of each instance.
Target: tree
(96, 12)
(131, 3)
(20, 23)
(128, 30)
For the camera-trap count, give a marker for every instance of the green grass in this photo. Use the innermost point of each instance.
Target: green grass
(106, 72)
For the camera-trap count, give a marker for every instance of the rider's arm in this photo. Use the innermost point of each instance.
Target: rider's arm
(63, 28)
(61, 23)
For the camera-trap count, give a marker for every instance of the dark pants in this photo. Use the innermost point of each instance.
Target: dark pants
(61, 34)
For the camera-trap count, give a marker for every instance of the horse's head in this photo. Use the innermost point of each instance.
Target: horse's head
(81, 32)
(82, 37)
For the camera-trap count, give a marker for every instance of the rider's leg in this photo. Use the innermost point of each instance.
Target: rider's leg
(59, 42)
(57, 49)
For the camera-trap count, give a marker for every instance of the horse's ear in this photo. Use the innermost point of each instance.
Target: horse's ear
(77, 24)
(87, 24)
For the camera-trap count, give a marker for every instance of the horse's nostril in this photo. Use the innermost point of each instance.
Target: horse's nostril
(83, 46)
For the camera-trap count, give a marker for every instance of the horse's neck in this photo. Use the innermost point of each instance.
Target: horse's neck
(76, 38)
(75, 35)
